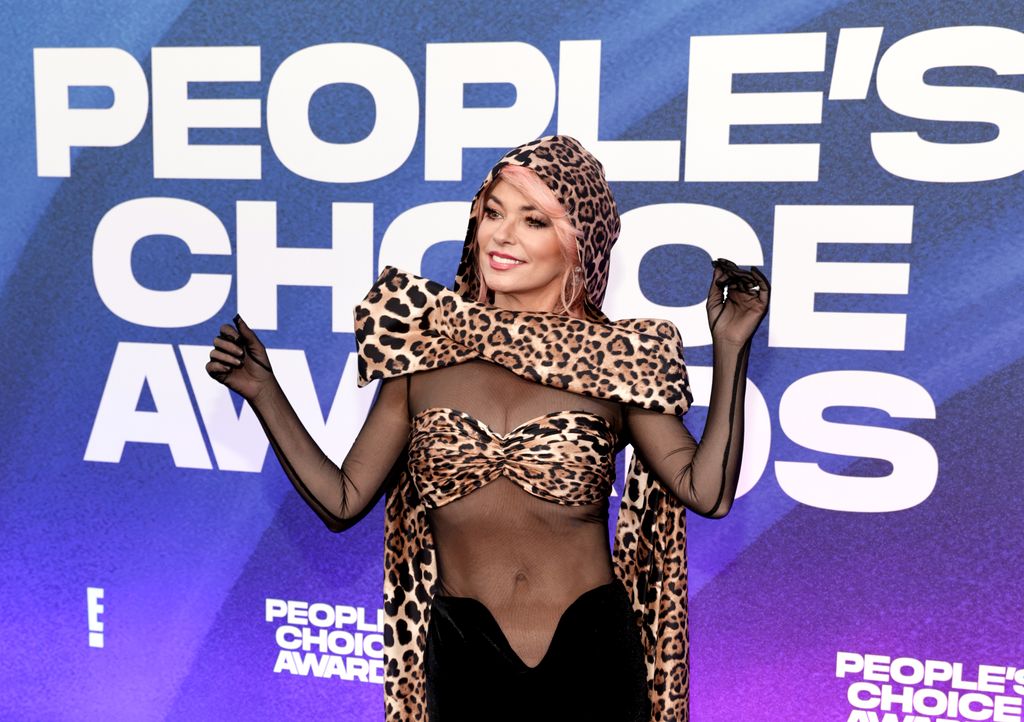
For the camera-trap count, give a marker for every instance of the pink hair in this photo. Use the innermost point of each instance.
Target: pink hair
(537, 192)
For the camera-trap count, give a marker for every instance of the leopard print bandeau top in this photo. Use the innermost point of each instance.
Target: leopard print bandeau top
(564, 457)
(408, 323)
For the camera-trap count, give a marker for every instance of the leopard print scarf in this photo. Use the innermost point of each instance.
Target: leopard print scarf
(407, 323)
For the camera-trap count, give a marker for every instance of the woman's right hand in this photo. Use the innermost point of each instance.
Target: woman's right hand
(239, 360)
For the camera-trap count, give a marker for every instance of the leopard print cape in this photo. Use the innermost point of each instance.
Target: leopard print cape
(577, 179)
(407, 323)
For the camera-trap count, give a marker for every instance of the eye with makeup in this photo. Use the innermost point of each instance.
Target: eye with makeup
(532, 221)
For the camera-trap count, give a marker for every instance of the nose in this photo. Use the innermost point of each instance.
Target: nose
(503, 232)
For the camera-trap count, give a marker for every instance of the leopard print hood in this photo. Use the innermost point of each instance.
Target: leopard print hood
(577, 179)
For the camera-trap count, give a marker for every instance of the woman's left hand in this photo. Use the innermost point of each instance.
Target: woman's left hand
(734, 320)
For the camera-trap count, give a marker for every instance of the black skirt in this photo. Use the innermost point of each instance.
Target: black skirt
(593, 670)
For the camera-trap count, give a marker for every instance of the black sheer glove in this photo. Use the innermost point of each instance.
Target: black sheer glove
(704, 476)
(340, 496)
(240, 361)
(737, 302)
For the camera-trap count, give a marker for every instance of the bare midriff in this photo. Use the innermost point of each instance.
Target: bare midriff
(524, 558)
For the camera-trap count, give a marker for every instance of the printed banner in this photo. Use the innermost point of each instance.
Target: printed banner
(171, 163)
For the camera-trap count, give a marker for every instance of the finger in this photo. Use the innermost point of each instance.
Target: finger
(225, 358)
(229, 345)
(761, 278)
(217, 370)
(730, 268)
(229, 331)
(243, 328)
(748, 282)
(744, 284)
(724, 271)
(740, 283)
(762, 287)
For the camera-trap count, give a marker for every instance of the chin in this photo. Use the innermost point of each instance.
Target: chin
(505, 284)
(501, 282)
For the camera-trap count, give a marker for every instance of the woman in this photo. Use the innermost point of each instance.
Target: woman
(501, 407)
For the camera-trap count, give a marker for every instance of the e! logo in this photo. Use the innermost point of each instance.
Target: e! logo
(93, 596)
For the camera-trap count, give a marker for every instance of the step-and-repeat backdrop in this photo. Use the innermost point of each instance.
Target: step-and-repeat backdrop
(168, 164)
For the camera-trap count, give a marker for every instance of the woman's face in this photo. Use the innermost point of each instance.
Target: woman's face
(519, 252)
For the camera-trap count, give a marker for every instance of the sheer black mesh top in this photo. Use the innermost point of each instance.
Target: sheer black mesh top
(515, 477)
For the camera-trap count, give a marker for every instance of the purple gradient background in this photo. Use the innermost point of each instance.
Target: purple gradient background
(187, 557)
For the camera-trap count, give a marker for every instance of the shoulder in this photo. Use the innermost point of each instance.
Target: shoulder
(648, 355)
(656, 327)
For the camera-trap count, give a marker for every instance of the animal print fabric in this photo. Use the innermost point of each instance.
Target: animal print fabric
(577, 179)
(407, 323)
(564, 457)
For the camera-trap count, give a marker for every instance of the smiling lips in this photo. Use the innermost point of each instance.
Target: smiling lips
(501, 261)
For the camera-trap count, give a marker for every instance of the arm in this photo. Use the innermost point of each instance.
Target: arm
(703, 476)
(339, 496)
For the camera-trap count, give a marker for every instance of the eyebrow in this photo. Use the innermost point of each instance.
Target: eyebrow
(522, 208)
